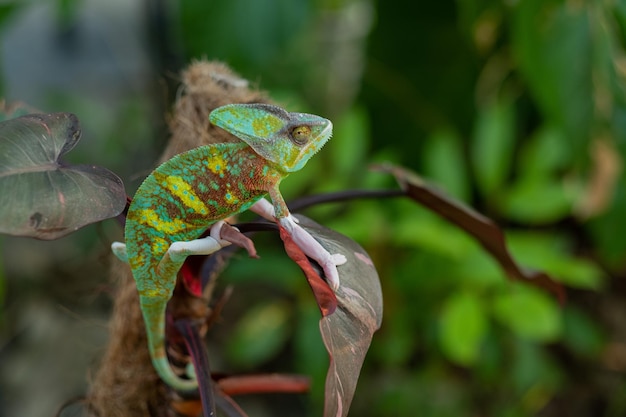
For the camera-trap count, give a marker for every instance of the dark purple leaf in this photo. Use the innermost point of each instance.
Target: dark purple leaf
(39, 196)
(228, 406)
(483, 229)
(200, 359)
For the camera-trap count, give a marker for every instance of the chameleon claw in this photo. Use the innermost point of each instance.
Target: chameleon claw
(329, 266)
(231, 234)
(225, 234)
(216, 232)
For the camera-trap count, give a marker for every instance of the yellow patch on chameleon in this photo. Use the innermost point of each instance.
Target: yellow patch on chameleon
(264, 126)
(230, 199)
(150, 218)
(181, 189)
(159, 245)
(216, 164)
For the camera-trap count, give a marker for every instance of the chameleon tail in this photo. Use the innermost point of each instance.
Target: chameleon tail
(153, 309)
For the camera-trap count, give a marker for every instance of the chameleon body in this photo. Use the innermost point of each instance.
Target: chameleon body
(197, 189)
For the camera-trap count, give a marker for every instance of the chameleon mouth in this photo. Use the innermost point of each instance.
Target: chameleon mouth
(317, 142)
(325, 136)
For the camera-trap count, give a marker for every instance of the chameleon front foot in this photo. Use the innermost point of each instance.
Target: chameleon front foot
(303, 239)
(314, 250)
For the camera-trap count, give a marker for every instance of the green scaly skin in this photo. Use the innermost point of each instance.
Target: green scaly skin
(192, 191)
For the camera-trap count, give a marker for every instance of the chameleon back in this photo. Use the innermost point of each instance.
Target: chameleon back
(187, 194)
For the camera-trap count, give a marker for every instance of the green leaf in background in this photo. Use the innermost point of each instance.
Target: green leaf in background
(547, 152)
(481, 228)
(528, 312)
(311, 357)
(538, 201)
(478, 270)
(581, 333)
(7, 10)
(445, 165)
(551, 253)
(349, 149)
(552, 42)
(542, 193)
(67, 11)
(396, 348)
(248, 31)
(42, 197)
(492, 147)
(463, 325)
(535, 376)
(424, 231)
(259, 334)
(609, 229)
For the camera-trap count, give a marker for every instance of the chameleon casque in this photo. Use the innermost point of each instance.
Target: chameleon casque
(197, 189)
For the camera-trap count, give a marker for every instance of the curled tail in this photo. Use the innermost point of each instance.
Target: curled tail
(153, 309)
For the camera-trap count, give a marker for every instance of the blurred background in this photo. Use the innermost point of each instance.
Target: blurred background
(517, 108)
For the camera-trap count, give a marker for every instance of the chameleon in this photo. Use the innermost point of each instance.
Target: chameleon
(196, 190)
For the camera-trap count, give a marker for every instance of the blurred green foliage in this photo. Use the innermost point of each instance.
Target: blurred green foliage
(503, 105)
(517, 108)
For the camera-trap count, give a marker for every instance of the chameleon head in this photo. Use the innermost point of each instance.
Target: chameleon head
(288, 140)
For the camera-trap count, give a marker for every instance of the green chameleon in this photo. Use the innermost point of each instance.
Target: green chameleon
(199, 188)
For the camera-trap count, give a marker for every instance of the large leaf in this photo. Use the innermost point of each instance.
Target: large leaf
(347, 332)
(492, 148)
(41, 197)
(444, 161)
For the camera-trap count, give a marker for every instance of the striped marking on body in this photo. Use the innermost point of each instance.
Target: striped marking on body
(159, 245)
(266, 125)
(229, 198)
(216, 164)
(185, 193)
(150, 218)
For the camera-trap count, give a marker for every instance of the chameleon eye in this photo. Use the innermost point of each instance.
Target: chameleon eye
(301, 134)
